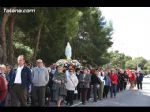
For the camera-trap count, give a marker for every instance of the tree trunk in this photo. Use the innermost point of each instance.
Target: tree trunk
(10, 48)
(37, 43)
(74, 50)
(3, 37)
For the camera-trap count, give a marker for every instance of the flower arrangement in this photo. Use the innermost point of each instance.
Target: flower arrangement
(66, 62)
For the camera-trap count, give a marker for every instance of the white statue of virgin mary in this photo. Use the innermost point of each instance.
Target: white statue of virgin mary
(68, 52)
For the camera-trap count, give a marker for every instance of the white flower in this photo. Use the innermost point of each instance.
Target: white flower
(67, 62)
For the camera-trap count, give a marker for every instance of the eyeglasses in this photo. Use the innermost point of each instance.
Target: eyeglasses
(70, 71)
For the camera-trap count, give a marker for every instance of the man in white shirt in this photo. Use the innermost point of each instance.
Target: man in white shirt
(20, 82)
(18, 75)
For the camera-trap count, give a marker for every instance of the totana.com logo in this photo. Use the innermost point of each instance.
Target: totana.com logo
(15, 10)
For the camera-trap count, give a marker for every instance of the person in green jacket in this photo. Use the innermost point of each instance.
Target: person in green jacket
(59, 89)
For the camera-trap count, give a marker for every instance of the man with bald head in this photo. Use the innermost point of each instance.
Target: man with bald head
(20, 80)
(40, 78)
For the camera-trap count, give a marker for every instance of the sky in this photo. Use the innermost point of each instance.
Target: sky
(131, 30)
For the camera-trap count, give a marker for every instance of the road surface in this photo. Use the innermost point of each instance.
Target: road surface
(126, 98)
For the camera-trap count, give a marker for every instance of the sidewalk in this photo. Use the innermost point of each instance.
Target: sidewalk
(75, 103)
(91, 99)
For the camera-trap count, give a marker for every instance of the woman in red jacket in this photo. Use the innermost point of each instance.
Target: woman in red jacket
(114, 82)
(132, 80)
(3, 85)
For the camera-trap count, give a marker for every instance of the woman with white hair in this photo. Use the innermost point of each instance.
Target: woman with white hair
(71, 84)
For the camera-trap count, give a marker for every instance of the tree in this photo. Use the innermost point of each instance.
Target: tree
(140, 61)
(5, 18)
(61, 28)
(93, 38)
(3, 36)
(120, 59)
(47, 31)
(130, 64)
(10, 53)
(147, 66)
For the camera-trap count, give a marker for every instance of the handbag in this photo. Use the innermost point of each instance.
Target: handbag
(75, 91)
(62, 91)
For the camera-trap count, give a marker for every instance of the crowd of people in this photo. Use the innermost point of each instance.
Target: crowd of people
(61, 84)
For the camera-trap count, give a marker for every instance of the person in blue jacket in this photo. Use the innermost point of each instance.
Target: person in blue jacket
(20, 80)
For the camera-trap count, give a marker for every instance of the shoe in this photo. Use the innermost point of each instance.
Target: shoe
(67, 103)
(95, 100)
(83, 103)
(70, 104)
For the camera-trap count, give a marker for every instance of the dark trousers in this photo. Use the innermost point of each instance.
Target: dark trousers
(79, 92)
(51, 95)
(18, 93)
(95, 91)
(121, 86)
(106, 90)
(70, 96)
(88, 93)
(118, 87)
(139, 85)
(84, 94)
(113, 90)
(38, 96)
(8, 99)
(124, 85)
(2, 103)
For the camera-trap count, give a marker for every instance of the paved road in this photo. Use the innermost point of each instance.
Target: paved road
(126, 98)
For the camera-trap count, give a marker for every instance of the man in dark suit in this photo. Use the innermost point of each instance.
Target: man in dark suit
(84, 80)
(20, 80)
(139, 80)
